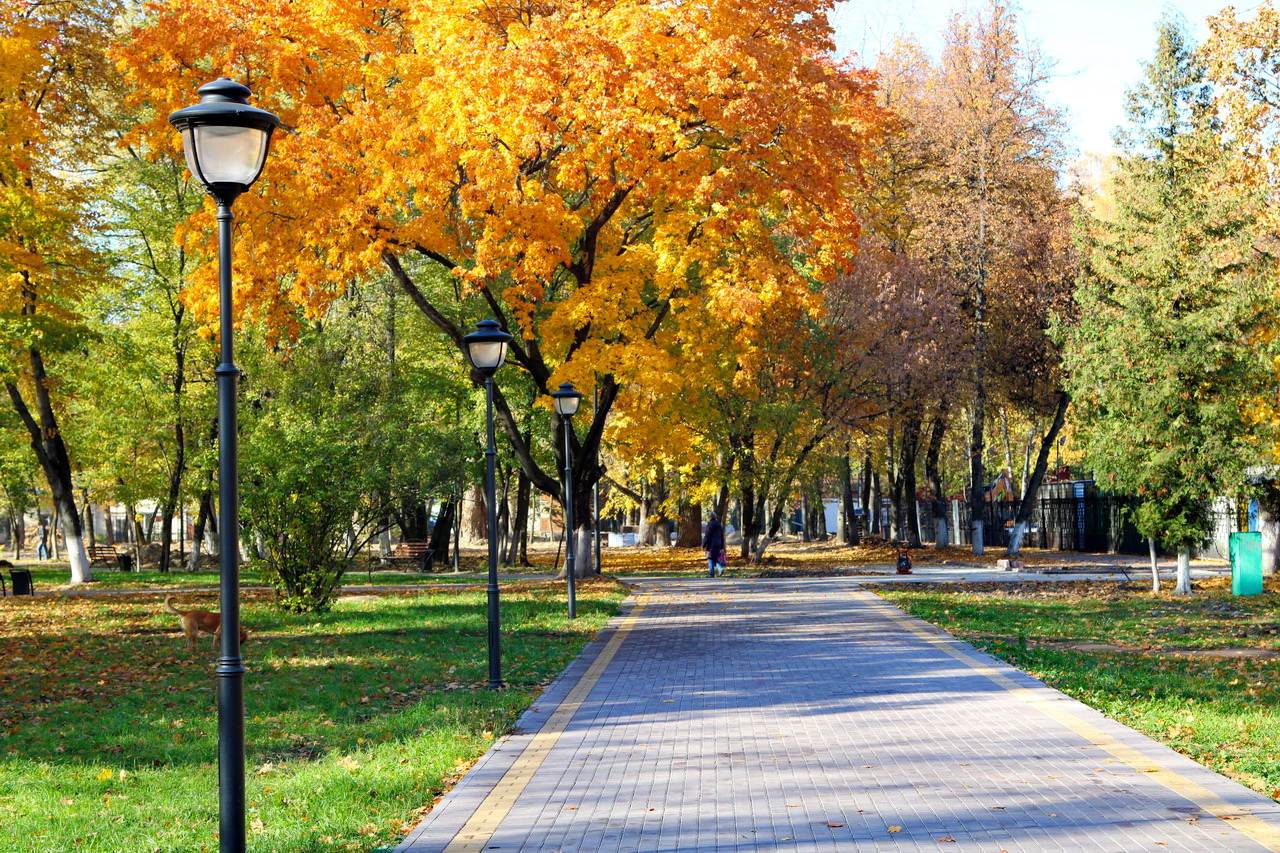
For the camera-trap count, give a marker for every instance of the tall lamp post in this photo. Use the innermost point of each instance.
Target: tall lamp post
(486, 350)
(567, 399)
(226, 143)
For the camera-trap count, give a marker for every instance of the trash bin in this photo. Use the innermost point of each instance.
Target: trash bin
(22, 583)
(126, 562)
(1246, 563)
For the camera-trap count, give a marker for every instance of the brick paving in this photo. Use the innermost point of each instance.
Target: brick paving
(800, 715)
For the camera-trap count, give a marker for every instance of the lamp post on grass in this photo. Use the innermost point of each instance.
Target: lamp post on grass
(486, 350)
(567, 398)
(226, 141)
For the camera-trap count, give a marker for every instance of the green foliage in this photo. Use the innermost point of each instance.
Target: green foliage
(1168, 351)
(342, 427)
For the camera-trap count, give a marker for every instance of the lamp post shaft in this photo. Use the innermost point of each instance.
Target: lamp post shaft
(230, 671)
(570, 569)
(491, 498)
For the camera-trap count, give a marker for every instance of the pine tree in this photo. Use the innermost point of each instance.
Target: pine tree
(1167, 352)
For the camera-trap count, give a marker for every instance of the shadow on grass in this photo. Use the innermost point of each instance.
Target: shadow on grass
(93, 681)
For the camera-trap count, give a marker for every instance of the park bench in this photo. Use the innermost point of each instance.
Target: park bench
(102, 554)
(413, 552)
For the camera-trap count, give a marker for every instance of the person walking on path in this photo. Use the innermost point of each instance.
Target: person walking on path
(713, 544)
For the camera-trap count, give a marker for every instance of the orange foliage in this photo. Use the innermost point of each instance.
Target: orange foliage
(599, 169)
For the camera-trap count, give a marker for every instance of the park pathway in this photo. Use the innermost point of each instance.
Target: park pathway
(810, 715)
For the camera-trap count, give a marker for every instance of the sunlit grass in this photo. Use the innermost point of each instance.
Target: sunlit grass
(355, 718)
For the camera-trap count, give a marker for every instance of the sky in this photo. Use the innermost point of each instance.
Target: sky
(1097, 47)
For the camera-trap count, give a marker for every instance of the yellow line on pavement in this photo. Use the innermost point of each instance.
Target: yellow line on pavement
(1261, 831)
(482, 824)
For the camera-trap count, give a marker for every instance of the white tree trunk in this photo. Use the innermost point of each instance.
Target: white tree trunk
(384, 544)
(1184, 572)
(1015, 538)
(1270, 529)
(584, 552)
(81, 572)
(941, 534)
(194, 562)
(1155, 570)
(977, 537)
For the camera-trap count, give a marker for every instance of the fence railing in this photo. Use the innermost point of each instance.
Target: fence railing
(1072, 517)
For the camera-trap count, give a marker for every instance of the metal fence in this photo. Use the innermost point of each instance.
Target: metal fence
(1061, 520)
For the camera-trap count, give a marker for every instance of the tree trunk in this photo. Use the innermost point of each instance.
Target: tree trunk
(747, 498)
(1184, 572)
(977, 477)
(1028, 504)
(442, 532)
(937, 431)
(873, 506)
(866, 492)
(1026, 460)
(476, 520)
(848, 532)
(820, 521)
(1155, 569)
(135, 535)
(18, 523)
(504, 516)
(1270, 536)
(51, 452)
(977, 495)
(894, 465)
(689, 534)
(204, 521)
(909, 512)
(520, 538)
(88, 518)
(806, 521)
(1008, 445)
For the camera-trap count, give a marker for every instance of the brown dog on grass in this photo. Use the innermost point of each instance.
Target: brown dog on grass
(195, 621)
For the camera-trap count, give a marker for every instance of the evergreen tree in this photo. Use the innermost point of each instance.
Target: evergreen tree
(1167, 352)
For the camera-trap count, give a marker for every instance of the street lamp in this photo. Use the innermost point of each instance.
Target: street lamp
(567, 398)
(226, 143)
(486, 350)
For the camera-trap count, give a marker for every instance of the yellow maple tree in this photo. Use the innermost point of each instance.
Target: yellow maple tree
(53, 79)
(598, 175)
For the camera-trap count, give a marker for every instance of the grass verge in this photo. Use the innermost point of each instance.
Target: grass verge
(1148, 661)
(355, 718)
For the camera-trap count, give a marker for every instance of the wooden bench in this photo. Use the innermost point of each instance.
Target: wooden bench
(102, 554)
(413, 552)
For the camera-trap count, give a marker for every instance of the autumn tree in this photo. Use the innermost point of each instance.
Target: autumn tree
(593, 172)
(997, 146)
(52, 81)
(1168, 351)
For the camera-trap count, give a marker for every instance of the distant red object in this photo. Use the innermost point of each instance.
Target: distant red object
(904, 560)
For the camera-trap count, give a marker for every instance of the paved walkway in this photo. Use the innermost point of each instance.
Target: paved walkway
(808, 715)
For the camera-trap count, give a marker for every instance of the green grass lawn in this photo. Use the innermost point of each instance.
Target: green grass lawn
(1222, 713)
(356, 717)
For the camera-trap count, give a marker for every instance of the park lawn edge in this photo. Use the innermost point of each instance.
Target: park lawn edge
(360, 790)
(1221, 713)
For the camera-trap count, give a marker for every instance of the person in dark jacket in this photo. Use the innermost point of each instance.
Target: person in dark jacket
(713, 544)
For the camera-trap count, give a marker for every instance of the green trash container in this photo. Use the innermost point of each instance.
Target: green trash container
(1246, 563)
